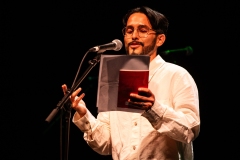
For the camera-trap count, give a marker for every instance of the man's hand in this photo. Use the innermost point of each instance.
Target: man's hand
(76, 105)
(143, 100)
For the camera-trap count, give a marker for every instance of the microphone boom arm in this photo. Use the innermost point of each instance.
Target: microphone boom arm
(61, 103)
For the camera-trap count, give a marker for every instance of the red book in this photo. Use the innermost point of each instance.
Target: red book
(129, 82)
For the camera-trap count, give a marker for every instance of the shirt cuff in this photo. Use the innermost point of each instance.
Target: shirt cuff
(155, 114)
(84, 123)
(159, 109)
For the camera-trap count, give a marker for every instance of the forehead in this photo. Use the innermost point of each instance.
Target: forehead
(137, 19)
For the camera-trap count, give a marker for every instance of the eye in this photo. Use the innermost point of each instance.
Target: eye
(129, 30)
(143, 29)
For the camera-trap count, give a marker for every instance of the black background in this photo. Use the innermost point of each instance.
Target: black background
(43, 42)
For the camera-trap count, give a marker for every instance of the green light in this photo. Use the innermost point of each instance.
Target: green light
(188, 50)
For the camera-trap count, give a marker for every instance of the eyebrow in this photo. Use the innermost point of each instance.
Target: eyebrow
(141, 25)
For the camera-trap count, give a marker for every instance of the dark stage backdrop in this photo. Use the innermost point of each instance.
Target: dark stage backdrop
(43, 43)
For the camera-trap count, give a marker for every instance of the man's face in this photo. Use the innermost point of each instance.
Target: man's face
(136, 45)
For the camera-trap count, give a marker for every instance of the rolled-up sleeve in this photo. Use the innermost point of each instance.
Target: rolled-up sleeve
(180, 120)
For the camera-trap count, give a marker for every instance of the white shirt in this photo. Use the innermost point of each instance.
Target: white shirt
(166, 131)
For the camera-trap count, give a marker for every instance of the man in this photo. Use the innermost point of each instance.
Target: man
(169, 120)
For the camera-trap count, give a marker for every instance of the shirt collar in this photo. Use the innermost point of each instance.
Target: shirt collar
(156, 63)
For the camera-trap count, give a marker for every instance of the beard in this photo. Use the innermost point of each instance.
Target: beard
(146, 50)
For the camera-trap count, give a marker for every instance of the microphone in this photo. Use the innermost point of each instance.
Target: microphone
(188, 50)
(115, 45)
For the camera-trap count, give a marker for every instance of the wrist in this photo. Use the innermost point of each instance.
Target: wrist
(81, 112)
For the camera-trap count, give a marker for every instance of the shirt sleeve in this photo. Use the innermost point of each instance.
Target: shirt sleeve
(180, 121)
(96, 131)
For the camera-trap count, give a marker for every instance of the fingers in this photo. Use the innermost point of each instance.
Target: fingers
(64, 88)
(77, 100)
(144, 89)
(74, 94)
(144, 92)
(143, 100)
(140, 105)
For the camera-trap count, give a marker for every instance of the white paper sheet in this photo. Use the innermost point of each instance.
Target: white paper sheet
(109, 75)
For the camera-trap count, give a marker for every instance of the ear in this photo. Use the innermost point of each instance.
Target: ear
(160, 39)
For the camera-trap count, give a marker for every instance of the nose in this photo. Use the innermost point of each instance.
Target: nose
(135, 34)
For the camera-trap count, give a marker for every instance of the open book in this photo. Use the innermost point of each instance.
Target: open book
(108, 80)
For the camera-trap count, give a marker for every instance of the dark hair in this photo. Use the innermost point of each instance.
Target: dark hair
(158, 21)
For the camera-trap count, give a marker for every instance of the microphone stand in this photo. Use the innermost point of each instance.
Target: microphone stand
(65, 101)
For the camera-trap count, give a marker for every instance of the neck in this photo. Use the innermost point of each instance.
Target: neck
(152, 56)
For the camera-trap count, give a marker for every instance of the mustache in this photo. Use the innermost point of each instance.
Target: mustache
(135, 42)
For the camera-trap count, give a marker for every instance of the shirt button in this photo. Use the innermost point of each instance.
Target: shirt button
(135, 123)
(134, 147)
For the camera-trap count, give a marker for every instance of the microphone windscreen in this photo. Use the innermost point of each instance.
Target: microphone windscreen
(118, 44)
